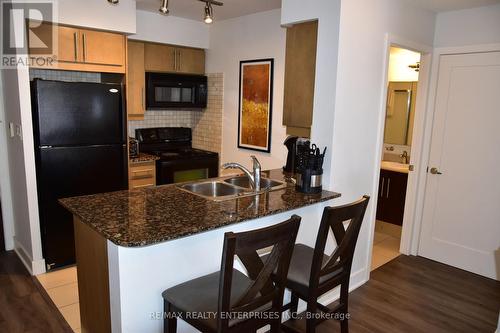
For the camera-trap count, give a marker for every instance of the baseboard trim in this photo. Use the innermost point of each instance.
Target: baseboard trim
(34, 267)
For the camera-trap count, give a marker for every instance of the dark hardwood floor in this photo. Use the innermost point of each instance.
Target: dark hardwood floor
(409, 294)
(413, 294)
(24, 306)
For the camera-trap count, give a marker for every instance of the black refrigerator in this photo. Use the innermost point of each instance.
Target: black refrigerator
(80, 148)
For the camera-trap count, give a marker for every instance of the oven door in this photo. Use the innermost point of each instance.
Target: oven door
(178, 171)
(173, 91)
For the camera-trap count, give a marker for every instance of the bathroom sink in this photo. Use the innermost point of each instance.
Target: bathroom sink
(395, 166)
(265, 183)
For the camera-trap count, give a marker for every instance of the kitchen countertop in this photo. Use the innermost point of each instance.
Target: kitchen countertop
(143, 157)
(395, 166)
(148, 216)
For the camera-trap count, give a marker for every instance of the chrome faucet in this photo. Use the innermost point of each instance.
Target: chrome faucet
(253, 177)
(405, 157)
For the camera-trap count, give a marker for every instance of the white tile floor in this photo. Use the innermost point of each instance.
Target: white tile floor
(62, 287)
(385, 247)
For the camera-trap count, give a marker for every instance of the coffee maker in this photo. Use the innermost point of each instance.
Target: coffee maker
(295, 146)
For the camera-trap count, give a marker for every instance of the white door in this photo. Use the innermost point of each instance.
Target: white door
(461, 221)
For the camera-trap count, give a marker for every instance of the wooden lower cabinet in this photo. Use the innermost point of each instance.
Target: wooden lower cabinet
(142, 174)
(93, 279)
(392, 196)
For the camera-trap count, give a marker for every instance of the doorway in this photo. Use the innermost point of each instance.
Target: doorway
(403, 77)
(460, 225)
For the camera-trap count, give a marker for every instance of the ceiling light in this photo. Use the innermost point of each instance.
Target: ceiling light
(209, 13)
(113, 2)
(164, 7)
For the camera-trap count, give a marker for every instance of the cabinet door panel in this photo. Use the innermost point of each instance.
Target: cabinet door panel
(67, 48)
(300, 74)
(159, 58)
(103, 48)
(135, 79)
(191, 61)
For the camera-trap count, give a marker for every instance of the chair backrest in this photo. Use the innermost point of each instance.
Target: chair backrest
(333, 219)
(265, 288)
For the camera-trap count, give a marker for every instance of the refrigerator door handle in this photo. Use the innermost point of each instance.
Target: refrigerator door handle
(45, 147)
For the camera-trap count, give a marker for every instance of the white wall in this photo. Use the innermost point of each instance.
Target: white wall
(399, 59)
(255, 36)
(98, 14)
(154, 27)
(22, 169)
(355, 120)
(5, 186)
(327, 12)
(468, 27)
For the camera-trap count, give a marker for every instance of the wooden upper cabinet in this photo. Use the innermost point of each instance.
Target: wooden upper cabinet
(159, 58)
(103, 48)
(136, 85)
(191, 60)
(85, 50)
(167, 58)
(300, 75)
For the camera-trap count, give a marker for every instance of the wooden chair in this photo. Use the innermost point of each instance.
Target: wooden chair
(231, 292)
(312, 273)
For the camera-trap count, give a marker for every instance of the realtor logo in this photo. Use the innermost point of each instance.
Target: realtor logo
(26, 36)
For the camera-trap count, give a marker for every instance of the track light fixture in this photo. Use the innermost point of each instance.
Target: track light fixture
(209, 13)
(114, 2)
(164, 7)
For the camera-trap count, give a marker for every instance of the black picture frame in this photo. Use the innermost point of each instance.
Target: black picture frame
(243, 63)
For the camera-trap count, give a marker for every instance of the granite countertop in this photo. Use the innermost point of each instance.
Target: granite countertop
(147, 216)
(143, 157)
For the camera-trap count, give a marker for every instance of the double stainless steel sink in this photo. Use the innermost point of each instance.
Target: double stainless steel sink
(230, 188)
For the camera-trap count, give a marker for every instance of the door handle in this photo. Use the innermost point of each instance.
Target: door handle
(435, 171)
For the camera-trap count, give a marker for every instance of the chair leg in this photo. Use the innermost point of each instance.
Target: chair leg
(311, 313)
(294, 305)
(344, 299)
(170, 322)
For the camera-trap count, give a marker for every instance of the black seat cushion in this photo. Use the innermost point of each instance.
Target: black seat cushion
(300, 270)
(201, 295)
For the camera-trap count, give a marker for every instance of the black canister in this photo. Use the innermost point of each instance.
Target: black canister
(309, 181)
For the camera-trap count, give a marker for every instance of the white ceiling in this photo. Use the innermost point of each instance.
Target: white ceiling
(194, 9)
(447, 5)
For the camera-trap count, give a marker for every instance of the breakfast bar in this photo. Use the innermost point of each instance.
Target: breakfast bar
(132, 245)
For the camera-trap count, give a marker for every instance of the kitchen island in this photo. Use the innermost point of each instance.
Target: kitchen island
(132, 245)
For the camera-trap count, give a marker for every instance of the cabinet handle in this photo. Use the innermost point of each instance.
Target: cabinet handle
(382, 187)
(175, 59)
(142, 98)
(75, 39)
(84, 48)
(180, 61)
(140, 186)
(388, 187)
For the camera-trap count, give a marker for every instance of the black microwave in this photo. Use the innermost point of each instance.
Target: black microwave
(175, 91)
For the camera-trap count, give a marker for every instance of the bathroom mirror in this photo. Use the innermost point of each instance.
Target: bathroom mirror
(400, 113)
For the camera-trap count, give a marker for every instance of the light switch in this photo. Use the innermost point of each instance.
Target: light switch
(19, 132)
(12, 130)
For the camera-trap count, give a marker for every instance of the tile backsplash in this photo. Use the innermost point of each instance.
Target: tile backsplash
(206, 124)
(68, 76)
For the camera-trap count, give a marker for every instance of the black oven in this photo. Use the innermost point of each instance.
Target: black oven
(175, 91)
